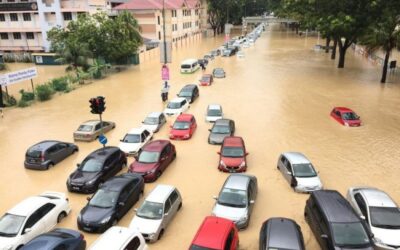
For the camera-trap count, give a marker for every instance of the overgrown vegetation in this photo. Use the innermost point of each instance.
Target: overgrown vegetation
(43, 92)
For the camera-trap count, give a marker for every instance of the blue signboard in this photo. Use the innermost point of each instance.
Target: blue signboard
(103, 139)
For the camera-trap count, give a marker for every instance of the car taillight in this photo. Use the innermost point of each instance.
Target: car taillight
(81, 236)
(42, 156)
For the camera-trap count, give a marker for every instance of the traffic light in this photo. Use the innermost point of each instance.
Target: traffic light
(94, 106)
(101, 104)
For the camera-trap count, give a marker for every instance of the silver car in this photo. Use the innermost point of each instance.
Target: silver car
(219, 73)
(90, 130)
(214, 112)
(299, 172)
(154, 121)
(221, 129)
(236, 199)
(380, 213)
(156, 212)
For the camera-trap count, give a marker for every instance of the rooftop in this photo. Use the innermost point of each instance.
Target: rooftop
(157, 5)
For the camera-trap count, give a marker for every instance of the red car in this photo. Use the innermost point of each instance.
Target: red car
(183, 128)
(206, 80)
(153, 159)
(346, 116)
(216, 233)
(233, 155)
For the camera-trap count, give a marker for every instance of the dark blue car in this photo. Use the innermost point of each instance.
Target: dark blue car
(57, 239)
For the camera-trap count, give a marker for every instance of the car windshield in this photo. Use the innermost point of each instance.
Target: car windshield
(235, 152)
(148, 157)
(85, 128)
(186, 66)
(349, 116)
(304, 170)
(214, 112)
(179, 125)
(10, 224)
(131, 138)
(218, 71)
(233, 198)
(174, 105)
(196, 247)
(150, 210)
(185, 94)
(151, 121)
(91, 165)
(33, 153)
(218, 129)
(350, 234)
(205, 79)
(104, 198)
(385, 217)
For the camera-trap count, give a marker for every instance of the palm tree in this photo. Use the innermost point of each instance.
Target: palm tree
(97, 68)
(75, 55)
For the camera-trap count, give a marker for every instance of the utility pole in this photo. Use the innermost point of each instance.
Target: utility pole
(165, 42)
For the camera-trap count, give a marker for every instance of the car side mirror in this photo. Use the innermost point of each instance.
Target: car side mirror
(121, 204)
(247, 153)
(215, 197)
(135, 209)
(88, 198)
(27, 230)
(362, 217)
(177, 95)
(170, 126)
(136, 157)
(252, 202)
(324, 236)
(166, 214)
(121, 140)
(209, 129)
(78, 165)
(289, 173)
(142, 121)
(219, 153)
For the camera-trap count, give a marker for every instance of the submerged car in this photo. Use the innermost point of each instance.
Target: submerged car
(219, 73)
(190, 92)
(57, 239)
(281, 233)
(214, 112)
(134, 140)
(120, 238)
(183, 128)
(46, 154)
(221, 129)
(91, 130)
(176, 106)
(154, 121)
(299, 172)
(233, 155)
(206, 80)
(346, 116)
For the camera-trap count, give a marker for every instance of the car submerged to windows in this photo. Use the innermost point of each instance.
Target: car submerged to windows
(154, 121)
(134, 140)
(214, 112)
(184, 127)
(176, 106)
(233, 155)
(91, 130)
(57, 239)
(221, 129)
(219, 73)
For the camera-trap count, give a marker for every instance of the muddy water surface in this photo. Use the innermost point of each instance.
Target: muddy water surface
(279, 95)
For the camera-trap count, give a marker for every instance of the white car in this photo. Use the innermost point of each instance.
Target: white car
(120, 238)
(214, 112)
(134, 140)
(154, 121)
(176, 106)
(240, 54)
(31, 217)
(246, 45)
(157, 211)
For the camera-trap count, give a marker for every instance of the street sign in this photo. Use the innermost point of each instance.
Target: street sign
(18, 76)
(165, 73)
(103, 140)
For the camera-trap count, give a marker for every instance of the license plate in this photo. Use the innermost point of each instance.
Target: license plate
(87, 229)
(75, 188)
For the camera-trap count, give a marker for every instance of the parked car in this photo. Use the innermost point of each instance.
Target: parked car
(381, 214)
(228, 52)
(57, 239)
(110, 203)
(154, 159)
(46, 154)
(176, 106)
(219, 73)
(31, 217)
(236, 199)
(206, 80)
(221, 129)
(216, 52)
(154, 121)
(246, 45)
(157, 211)
(233, 155)
(183, 128)
(214, 112)
(216, 233)
(299, 172)
(96, 168)
(346, 116)
(120, 238)
(134, 140)
(90, 130)
(208, 56)
(203, 61)
(190, 92)
(281, 233)
(334, 223)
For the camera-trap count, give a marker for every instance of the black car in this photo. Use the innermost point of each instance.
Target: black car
(334, 222)
(221, 129)
(190, 92)
(203, 61)
(111, 202)
(281, 233)
(46, 154)
(57, 239)
(96, 168)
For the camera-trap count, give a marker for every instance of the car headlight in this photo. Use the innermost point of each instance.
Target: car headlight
(242, 164)
(8, 247)
(243, 219)
(91, 182)
(222, 163)
(79, 217)
(152, 236)
(346, 124)
(105, 220)
(151, 171)
(186, 136)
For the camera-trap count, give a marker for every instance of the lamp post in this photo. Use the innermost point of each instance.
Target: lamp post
(165, 42)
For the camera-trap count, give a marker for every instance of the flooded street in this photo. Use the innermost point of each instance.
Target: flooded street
(280, 96)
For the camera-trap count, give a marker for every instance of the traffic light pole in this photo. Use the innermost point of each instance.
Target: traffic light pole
(101, 128)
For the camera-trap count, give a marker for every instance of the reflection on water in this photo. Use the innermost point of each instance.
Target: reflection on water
(280, 96)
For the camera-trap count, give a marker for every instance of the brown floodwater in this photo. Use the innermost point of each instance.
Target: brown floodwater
(280, 96)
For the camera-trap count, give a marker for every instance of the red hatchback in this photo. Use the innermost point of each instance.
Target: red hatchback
(206, 80)
(233, 155)
(183, 128)
(216, 233)
(153, 159)
(346, 116)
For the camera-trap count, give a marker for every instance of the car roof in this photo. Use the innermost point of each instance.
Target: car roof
(114, 238)
(29, 205)
(189, 87)
(282, 233)
(43, 145)
(156, 145)
(343, 109)
(238, 181)
(91, 122)
(336, 208)
(233, 141)
(218, 69)
(296, 157)
(184, 117)
(213, 232)
(190, 61)
(160, 193)
(51, 239)
(154, 114)
(214, 106)
(136, 130)
(178, 99)
(117, 183)
(222, 122)
(377, 198)
(207, 75)
(103, 153)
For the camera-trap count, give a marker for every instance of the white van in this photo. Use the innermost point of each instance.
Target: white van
(189, 66)
(120, 238)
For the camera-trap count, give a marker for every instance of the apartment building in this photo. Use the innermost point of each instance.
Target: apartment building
(24, 23)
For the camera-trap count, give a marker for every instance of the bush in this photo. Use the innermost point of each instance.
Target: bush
(26, 96)
(2, 66)
(22, 103)
(43, 92)
(11, 101)
(60, 84)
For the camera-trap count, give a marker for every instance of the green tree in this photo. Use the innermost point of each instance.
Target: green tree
(97, 68)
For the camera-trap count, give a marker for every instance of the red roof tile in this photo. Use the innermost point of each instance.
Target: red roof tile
(156, 4)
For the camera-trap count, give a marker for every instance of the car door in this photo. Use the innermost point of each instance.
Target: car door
(167, 213)
(173, 199)
(108, 168)
(34, 224)
(232, 127)
(51, 154)
(124, 201)
(185, 105)
(193, 125)
(164, 158)
(147, 136)
(133, 244)
(284, 167)
(106, 127)
(229, 242)
(48, 216)
(63, 151)
(97, 130)
(361, 208)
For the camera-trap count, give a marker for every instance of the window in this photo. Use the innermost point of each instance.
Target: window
(52, 150)
(2, 18)
(146, 133)
(97, 126)
(159, 35)
(173, 197)
(229, 240)
(361, 204)
(17, 36)
(134, 244)
(4, 36)
(27, 16)
(158, 20)
(45, 209)
(30, 36)
(167, 207)
(13, 17)
(67, 16)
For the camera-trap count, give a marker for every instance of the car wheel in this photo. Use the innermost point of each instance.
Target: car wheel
(124, 165)
(158, 174)
(50, 165)
(114, 222)
(75, 150)
(161, 234)
(61, 216)
(174, 156)
(277, 167)
(180, 206)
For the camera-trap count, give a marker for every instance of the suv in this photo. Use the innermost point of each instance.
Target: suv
(216, 233)
(190, 92)
(96, 168)
(281, 233)
(236, 199)
(157, 211)
(47, 153)
(334, 222)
